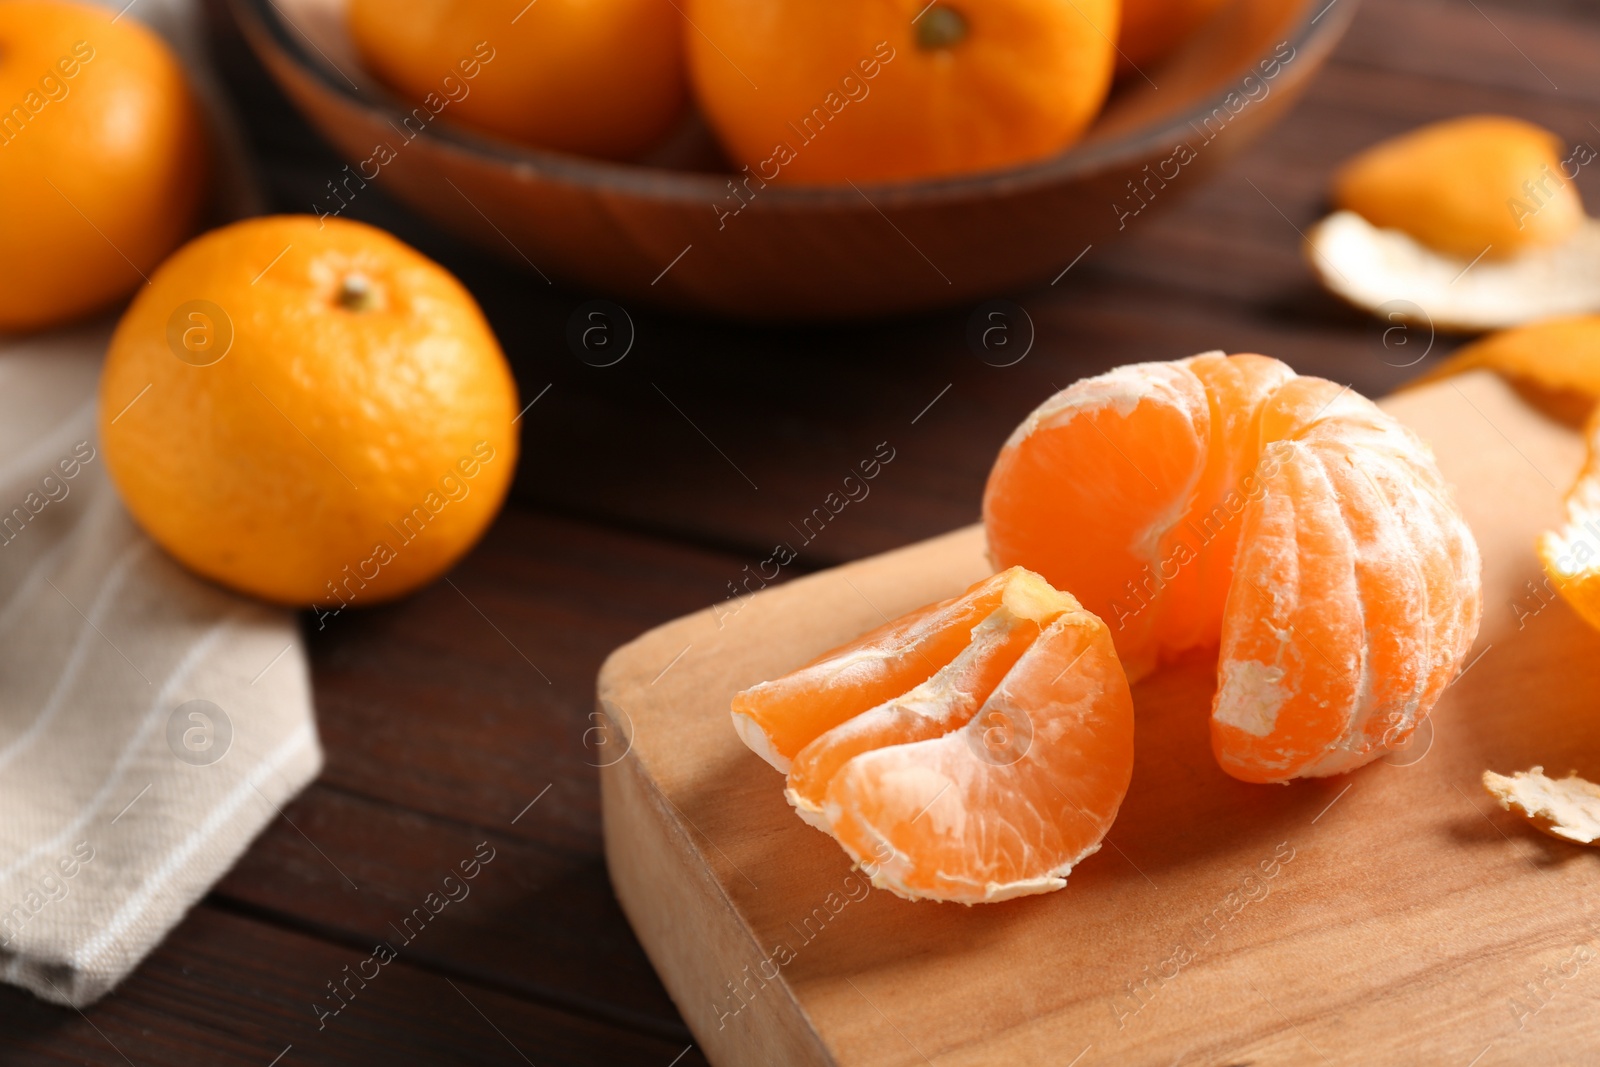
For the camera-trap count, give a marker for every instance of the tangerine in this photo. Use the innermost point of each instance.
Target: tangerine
(309, 412)
(595, 77)
(801, 91)
(1151, 29)
(1226, 500)
(102, 159)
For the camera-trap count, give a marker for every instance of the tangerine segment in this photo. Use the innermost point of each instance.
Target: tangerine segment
(1088, 488)
(1571, 553)
(943, 703)
(776, 719)
(1300, 525)
(1009, 803)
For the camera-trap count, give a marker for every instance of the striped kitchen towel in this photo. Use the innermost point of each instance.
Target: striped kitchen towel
(151, 724)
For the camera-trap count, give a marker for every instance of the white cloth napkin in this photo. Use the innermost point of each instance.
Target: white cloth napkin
(151, 724)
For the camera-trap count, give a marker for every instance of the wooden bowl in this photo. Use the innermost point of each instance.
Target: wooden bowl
(655, 232)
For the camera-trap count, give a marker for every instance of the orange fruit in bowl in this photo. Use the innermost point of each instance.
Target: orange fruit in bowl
(973, 750)
(311, 413)
(1153, 28)
(826, 91)
(594, 77)
(102, 159)
(1224, 500)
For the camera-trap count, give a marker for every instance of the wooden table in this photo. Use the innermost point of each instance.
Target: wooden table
(656, 486)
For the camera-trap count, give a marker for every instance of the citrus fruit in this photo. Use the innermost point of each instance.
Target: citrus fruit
(1153, 28)
(973, 750)
(838, 90)
(1465, 185)
(312, 413)
(1224, 500)
(102, 159)
(594, 77)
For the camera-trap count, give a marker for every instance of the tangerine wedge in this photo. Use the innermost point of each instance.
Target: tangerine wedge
(971, 751)
(1224, 500)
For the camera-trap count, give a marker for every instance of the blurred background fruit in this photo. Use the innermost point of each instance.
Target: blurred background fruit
(686, 230)
(308, 412)
(1153, 28)
(597, 77)
(103, 159)
(802, 91)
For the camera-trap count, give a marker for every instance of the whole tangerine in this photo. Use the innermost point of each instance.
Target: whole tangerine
(1153, 28)
(308, 413)
(594, 77)
(103, 160)
(828, 91)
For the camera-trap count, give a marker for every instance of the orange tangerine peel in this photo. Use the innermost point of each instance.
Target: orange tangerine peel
(1463, 184)
(1560, 356)
(1470, 224)
(974, 750)
(1224, 500)
(1571, 552)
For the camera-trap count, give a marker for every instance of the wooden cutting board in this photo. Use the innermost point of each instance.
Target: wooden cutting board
(1392, 915)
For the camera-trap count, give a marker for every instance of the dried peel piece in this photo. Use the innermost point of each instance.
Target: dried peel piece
(1568, 808)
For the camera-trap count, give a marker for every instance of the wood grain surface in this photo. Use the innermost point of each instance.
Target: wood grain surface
(632, 508)
(1387, 916)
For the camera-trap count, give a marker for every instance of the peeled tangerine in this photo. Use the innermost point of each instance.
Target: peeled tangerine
(1226, 499)
(973, 750)
(1473, 223)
